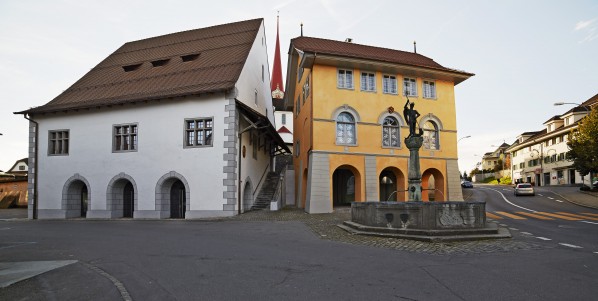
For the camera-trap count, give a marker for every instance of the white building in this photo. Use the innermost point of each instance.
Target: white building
(161, 128)
(540, 157)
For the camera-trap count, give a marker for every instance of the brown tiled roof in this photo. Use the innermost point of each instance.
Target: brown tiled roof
(352, 50)
(222, 51)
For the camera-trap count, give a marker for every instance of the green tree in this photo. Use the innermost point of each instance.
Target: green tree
(464, 176)
(583, 143)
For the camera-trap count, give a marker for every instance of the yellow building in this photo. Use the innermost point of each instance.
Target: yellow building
(349, 128)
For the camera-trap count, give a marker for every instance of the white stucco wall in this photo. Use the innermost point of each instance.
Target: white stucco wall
(286, 137)
(160, 150)
(251, 80)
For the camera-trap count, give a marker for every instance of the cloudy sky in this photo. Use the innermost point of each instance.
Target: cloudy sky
(526, 54)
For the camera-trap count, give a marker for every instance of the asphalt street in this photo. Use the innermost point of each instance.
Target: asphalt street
(545, 217)
(251, 258)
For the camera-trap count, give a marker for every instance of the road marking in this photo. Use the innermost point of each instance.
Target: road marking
(589, 222)
(510, 215)
(543, 238)
(505, 189)
(595, 252)
(503, 225)
(494, 216)
(579, 216)
(559, 201)
(504, 198)
(551, 198)
(4, 228)
(559, 216)
(514, 229)
(570, 246)
(526, 233)
(535, 215)
(540, 194)
(587, 213)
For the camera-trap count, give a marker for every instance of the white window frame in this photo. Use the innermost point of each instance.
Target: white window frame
(388, 83)
(410, 84)
(429, 89)
(344, 79)
(368, 81)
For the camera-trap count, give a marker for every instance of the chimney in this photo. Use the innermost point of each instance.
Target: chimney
(349, 40)
(301, 28)
(414, 47)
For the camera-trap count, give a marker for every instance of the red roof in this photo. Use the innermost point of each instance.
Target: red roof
(352, 50)
(179, 64)
(283, 129)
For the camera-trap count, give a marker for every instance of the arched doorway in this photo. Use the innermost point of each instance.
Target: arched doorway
(247, 195)
(128, 200)
(178, 202)
(75, 198)
(388, 186)
(84, 200)
(345, 186)
(433, 185)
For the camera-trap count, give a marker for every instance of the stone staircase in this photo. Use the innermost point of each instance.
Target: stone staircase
(266, 194)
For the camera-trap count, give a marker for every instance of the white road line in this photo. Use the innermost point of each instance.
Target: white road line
(570, 246)
(505, 189)
(526, 233)
(551, 198)
(503, 225)
(504, 198)
(595, 252)
(543, 238)
(559, 201)
(514, 229)
(540, 194)
(593, 223)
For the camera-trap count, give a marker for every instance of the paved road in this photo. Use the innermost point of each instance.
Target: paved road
(545, 217)
(271, 257)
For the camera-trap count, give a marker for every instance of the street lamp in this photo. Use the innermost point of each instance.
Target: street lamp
(468, 136)
(571, 103)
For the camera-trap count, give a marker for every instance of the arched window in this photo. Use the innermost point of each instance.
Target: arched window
(390, 132)
(345, 129)
(431, 135)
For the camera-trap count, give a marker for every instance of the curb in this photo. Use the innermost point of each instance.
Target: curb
(574, 202)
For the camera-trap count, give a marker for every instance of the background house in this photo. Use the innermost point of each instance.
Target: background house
(174, 126)
(349, 129)
(540, 157)
(13, 185)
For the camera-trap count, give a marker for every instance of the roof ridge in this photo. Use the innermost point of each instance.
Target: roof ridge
(182, 42)
(364, 45)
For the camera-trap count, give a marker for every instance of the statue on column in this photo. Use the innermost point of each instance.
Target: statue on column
(410, 115)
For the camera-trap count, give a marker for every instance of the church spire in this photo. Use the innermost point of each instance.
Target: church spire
(276, 85)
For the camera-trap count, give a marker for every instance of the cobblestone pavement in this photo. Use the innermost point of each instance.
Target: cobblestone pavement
(325, 226)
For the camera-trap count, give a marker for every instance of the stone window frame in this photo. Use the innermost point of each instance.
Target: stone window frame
(134, 135)
(400, 124)
(349, 85)
(195, 130)
(438, 128)
(64, 142)
(433, 89)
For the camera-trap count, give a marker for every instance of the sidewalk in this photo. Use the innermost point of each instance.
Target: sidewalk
(575, 196)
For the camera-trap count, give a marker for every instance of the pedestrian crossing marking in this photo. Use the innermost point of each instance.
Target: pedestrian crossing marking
(560, 216)
(494, 216)
(509, 215)
(535, 215)
(579, 216)
(587, 213)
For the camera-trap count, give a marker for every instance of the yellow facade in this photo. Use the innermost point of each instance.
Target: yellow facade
(367, 163)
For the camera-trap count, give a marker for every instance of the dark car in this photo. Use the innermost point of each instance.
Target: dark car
(524, 189)
(466, 184)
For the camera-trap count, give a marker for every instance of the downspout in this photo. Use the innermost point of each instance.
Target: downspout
(34, 165)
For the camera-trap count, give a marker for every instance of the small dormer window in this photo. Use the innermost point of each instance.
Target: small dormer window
(130, 68)
(190, 57)
(159, 63)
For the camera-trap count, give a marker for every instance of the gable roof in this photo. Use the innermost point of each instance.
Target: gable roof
(157, 68)
(352, 50)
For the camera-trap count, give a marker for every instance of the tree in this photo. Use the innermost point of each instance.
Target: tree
(584, 145)
(464, 176)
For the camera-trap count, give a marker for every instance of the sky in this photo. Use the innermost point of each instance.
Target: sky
(526, 55)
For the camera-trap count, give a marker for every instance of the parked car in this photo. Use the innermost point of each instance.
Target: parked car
(524, 189)
(466, 184)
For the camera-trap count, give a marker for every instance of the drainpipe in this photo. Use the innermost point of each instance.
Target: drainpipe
(34, 165)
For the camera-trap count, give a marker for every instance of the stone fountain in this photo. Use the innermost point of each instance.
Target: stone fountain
(414, 219)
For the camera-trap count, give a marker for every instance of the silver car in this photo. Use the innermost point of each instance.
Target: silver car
(524, 189)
